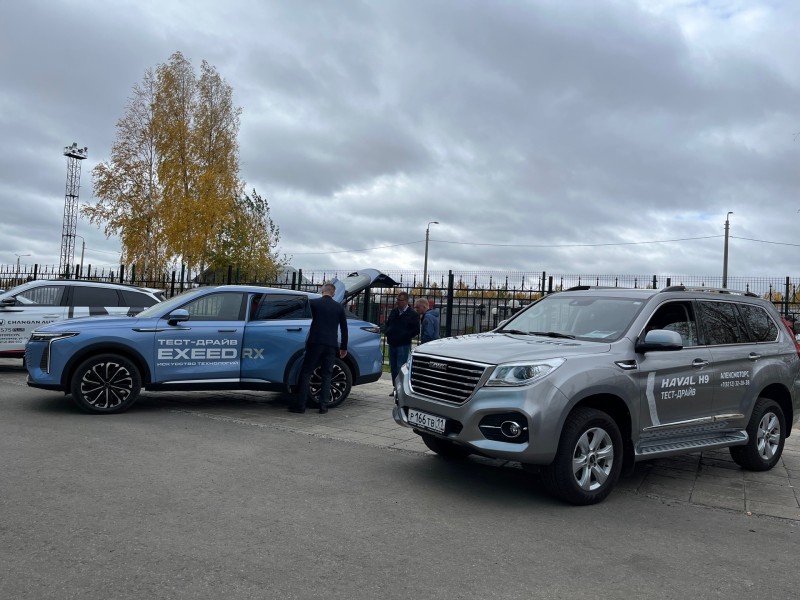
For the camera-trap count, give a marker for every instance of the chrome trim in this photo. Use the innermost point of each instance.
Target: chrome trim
(158, 329)
(185, 381)
(700, 421)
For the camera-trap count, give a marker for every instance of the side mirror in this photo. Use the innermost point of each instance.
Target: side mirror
(178, 315)
(660, 339)
(8, 302)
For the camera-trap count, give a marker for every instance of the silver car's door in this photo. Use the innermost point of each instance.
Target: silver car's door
(675, 385)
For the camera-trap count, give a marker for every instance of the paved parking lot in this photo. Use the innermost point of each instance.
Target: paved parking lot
(708, 479)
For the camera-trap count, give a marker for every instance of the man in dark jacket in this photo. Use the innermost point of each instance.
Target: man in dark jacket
(401, 327)
(327, 316)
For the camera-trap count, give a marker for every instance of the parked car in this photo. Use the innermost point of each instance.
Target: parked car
(40, 302)
(208, 338)
(583, 383)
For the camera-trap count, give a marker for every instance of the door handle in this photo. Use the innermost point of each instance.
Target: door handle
(699, 362)
(754, 356)
(226, 330)
(294, 329)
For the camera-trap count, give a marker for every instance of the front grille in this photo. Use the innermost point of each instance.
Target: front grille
(445, 379)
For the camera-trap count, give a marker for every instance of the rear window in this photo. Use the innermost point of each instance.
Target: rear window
(762, 327)
(722, 323)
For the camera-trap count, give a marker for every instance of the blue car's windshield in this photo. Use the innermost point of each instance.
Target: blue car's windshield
(163, 308)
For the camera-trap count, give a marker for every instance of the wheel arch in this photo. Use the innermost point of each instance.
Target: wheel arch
(779, 394)
(616, 408)
(106, 348)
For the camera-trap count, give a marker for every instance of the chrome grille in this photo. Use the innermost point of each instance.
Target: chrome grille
(445, 379)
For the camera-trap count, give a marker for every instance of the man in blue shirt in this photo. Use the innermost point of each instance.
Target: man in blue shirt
(430, 321)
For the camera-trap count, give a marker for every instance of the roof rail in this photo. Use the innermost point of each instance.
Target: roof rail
(578, 288)
(712, 290)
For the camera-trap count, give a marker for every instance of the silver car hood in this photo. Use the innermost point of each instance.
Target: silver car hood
(497, 348)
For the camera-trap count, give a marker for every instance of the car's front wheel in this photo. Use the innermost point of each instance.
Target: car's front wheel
(589, 458)
(341, 384)
(767, 434)
(105, 384)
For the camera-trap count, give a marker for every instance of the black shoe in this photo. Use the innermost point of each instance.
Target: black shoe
(322, 411)
(296, 409)
(392, 392)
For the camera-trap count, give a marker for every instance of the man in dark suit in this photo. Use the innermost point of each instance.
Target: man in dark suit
(327, 316)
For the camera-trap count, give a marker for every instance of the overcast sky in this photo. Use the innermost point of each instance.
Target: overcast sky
(543, 135)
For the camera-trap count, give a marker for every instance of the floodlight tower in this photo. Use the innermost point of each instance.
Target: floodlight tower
(74, 156)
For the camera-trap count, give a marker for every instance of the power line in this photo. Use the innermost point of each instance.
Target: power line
(765, 241)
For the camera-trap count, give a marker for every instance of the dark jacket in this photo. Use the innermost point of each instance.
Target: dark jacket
(401, 328)
(327, 316)
(430, 326)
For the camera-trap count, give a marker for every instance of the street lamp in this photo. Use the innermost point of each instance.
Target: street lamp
(725, 252)
(16, 277)
(425, 268)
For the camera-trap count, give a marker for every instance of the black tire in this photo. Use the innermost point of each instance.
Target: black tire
(767, 433)
(444, 448)
(589, 458)
(341, 384)
(105, 384)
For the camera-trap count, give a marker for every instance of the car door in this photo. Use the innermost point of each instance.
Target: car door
(208, 346)
(275, 336)
(735, 356)
(32, 307)
(675, 385)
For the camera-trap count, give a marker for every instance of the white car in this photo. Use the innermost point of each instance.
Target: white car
(37, 303)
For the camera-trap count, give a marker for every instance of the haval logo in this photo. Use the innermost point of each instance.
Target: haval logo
(439, 366)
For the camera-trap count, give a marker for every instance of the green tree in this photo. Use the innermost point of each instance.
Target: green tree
(248, 240)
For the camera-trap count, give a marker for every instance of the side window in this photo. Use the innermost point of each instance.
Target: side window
(677, 317)
(722, 323)
(762, 327)
(94, 296)
(46, 295)
(226, 306)
(283, 306)
(137, 300)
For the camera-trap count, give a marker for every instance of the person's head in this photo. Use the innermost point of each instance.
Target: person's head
(402, 300)
(421, 305)
(328, 289)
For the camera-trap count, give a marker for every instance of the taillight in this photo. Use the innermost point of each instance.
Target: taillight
(790, 329)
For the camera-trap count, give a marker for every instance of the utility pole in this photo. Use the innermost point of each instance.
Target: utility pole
(425, 268)
(725, 252)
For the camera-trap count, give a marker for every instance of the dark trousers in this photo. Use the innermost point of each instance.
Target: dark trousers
(317, 355)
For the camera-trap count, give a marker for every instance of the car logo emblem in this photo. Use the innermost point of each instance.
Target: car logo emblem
(438, 366)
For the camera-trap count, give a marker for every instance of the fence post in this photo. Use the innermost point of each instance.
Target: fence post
(183, 274)
(655, 282)
(294, 281)
(551, 281)
(230, 274)
(172, 286)
(786, 298)
(35, 271)
(549, 285)
(133, 274)
(121, 274)
(448, 326)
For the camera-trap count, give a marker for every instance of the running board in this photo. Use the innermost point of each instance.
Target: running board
(652, 448)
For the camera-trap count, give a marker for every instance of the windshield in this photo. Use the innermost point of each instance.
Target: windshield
(163, 308)
(595, 318)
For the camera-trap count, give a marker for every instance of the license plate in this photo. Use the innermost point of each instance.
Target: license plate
(426, 421)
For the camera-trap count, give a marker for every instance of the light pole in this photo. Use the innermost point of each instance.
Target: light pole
(425, 268)
(725, 252)
(16, 277)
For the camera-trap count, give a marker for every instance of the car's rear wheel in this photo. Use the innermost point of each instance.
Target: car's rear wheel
(444, 448)
(105, 384)
(341, 384)
(767, 433)
(589, 458)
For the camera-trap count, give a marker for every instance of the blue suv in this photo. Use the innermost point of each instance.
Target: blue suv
(211, 338)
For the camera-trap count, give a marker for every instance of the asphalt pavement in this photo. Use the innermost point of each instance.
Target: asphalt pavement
(708, 479)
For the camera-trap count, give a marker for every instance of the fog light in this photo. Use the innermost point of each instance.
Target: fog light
(511, 429)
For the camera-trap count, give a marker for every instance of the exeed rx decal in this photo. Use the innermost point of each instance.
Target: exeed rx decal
(202, 352)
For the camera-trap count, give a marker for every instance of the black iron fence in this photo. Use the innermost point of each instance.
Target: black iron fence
(469, 301)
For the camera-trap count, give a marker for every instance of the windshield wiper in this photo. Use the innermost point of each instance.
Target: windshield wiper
(553, 334)
(515, 332)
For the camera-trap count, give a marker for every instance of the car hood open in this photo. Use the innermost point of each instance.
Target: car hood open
(358, 281)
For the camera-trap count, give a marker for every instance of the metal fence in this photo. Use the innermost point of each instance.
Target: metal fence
(469, 301)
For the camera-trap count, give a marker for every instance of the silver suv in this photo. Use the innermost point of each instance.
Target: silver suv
(585, 382)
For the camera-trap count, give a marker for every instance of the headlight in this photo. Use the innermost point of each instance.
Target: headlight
(516, 374)
(50, 337)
